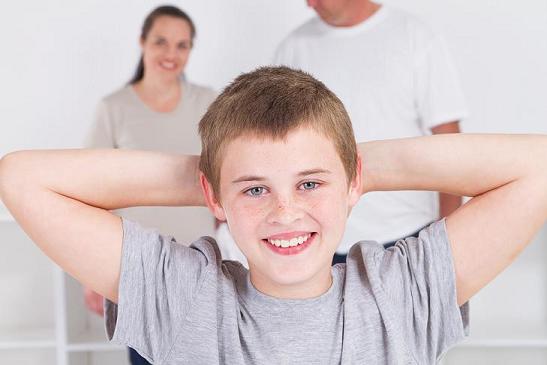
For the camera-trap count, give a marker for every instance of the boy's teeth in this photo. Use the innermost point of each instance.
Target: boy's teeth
(290, 243)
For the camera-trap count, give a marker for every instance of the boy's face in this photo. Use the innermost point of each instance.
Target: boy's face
(293, 193)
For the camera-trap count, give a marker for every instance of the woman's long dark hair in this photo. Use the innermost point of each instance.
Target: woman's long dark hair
(166, 10)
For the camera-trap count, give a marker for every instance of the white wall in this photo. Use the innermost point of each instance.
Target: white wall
(60, 57)
(500, 47)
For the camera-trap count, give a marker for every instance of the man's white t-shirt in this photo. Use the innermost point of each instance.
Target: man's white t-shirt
(396, 79)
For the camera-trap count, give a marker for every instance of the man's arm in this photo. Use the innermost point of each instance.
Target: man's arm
(505, 174)
(61, 199)
(448, 203)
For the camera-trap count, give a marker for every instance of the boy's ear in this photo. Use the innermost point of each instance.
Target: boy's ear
(355, 187)
(210, 199)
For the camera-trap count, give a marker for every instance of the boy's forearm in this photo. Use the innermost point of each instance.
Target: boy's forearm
(108, 179)
(458, 164)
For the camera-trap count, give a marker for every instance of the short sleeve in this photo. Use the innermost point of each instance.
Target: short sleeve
(159, 279)
(439, 97)
(419, 279)
(101, 133)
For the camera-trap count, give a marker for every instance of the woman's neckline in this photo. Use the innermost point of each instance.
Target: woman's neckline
(183, 91)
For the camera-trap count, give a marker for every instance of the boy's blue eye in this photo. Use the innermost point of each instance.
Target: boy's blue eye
(256, 191)
(309, 185)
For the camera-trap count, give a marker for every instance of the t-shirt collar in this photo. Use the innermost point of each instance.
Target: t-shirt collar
(365, 25)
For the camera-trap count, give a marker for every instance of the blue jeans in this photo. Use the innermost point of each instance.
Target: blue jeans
(136, 359)
(341, 258)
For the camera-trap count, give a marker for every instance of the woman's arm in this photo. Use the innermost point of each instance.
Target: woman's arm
(506, 175)
(61, 199)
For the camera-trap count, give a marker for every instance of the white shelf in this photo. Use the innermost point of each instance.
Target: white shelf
(92, 340)
(507, 336)
(505, 343)
(30, 356)
(38, 338)
(42, 316)
(98, 358)
(508, 323)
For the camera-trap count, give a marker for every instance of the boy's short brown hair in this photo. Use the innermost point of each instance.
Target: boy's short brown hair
(271, 102)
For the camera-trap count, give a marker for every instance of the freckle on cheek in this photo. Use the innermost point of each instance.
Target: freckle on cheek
(253, 211)
(314, 205)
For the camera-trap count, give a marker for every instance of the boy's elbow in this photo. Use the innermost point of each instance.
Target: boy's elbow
(542, 172)
(542, 154)
(5, 161)
(9, 172)
(535, 158)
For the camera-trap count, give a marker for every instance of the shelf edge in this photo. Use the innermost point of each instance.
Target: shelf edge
(93, 346)
(497, 343)
(14, 345)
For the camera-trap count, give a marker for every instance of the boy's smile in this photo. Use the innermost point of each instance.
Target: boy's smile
(290, 243)
(286, 202)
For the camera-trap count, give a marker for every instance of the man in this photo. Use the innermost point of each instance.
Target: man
(396, 80)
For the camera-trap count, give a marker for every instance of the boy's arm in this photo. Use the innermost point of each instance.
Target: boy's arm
(448, 203)
(61, 199)
(505, 174)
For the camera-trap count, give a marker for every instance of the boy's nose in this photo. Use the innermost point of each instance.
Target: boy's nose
(284, 212)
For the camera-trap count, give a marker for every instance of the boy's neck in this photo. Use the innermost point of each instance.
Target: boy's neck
(312, 288)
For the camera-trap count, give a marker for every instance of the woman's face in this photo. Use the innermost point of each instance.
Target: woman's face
(166, 48)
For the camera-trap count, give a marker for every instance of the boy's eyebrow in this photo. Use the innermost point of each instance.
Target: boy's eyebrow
(261, 178)
(313, 171)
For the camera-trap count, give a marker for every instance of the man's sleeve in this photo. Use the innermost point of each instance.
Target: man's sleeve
(283, 54)
(419, 279)
(438, 94)
(159, 279)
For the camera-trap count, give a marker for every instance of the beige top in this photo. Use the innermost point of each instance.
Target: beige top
(122, 120)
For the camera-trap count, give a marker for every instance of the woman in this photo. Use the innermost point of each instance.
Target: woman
(158, 110)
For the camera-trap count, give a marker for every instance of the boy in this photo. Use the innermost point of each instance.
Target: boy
(279, 163)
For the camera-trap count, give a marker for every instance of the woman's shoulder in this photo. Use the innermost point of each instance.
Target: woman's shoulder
(123, 95)
(199, 91)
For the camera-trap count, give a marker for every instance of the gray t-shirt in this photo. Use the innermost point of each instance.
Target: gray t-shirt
(184, 305)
